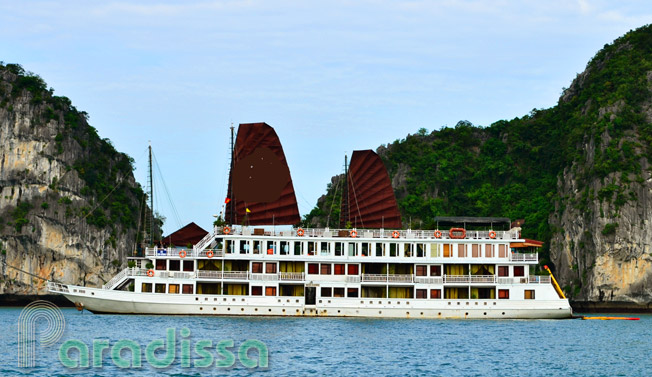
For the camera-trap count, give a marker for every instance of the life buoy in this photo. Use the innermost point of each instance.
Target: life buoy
(353, 234)
(396, 234)
(209, 253)
(457, 233)
(492, 234)
(226, 230)
(150, 273)
(182, 254)
(437, 233)
(300, 232)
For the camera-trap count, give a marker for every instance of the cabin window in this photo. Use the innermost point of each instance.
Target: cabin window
(407, 249)
(160, 264)
(435, 270)
(173, 288)
(244, 247)
(257, 267)
(461, 250)
(503, 270)
(338, 269)
(435, 250)
(175, 265)
(270, 247)
(285, 248)
(352, 292)
(421, 293)
(366, 247)
(475, 251)
(325, 269)
(519, 271)
(353, 249)
(339, 248)
(325, 248)
(313, 268)
(298, 248)
(188, 265)
(421, 250)
(338, 292)
(312, 248)
(270, 291)
(354, 269)
(228, 246)
(502, 251)
(186, 289)
(146, 287)
(503, 294)
(448, 252)
(380, 249)
(326, 292)
(529, 294)
(393, 249)
(256, 291)
(422, 271)
(256, 247)
(159, 288)
(270, 268)
(488, 251)
(435, 293)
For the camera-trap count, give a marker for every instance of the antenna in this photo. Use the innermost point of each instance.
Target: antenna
(231, 203)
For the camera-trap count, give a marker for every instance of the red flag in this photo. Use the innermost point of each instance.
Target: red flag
(227, 200)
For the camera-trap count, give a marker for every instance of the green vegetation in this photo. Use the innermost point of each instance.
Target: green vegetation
(609, 229)
(597, 132)
(19, 215)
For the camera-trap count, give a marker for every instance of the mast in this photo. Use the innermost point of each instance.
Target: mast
(344, 213)
(151, 198)
(231, 202)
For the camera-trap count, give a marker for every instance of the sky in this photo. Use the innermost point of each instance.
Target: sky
(330, 77)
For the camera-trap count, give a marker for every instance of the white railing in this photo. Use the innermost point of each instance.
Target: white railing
(482, 278)
(537, 279)
(208, 238)
(353, 279)
(57, 287)
(396, 278)
(209, 274)
(240, 275)
(524, 257)
(116, 279)
(429, 280)
(374, 277)
(292, 276)
(264, 277)
(457, 278)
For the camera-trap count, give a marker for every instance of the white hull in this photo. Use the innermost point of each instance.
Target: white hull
(121, 302)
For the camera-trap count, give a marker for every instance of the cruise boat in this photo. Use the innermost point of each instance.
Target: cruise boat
(366, 267)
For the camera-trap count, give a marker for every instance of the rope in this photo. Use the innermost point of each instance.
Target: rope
(328, 220)
(357, 205)
(28, 273)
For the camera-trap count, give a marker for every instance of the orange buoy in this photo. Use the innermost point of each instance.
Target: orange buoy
(353, 234)
(226, 230)
(182, 254)
(437, 233)
(150, 273)
(396, 234)
(300, 232)
(492, 234)
(457, 233)
(209, 253)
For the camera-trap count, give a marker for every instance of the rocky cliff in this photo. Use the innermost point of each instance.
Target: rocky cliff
(69, 204)
(579, 173)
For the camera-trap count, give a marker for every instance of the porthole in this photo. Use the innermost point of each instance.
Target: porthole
(200, 308)
(215, 299)
(214, 308)
(439, 313)
(283, 310)
(233, 300)
(503, 313)
(485, 313)
(242, 309)
(421, 313)
(270, 310)
(467, 313)
(320, 301)
(380, 312)
(196, 298)
(255, 309)
(205, 298)
(229, 309)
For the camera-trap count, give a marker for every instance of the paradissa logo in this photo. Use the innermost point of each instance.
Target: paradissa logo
(161, 353)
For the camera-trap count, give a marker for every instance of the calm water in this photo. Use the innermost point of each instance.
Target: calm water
(350, 347)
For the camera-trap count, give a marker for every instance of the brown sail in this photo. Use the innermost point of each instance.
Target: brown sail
(371, 201)
(260, 185)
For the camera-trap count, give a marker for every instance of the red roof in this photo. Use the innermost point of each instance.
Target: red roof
(189, 234)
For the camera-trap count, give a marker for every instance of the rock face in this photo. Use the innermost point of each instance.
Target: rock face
(68, 201)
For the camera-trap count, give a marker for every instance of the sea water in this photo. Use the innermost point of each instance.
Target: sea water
(340, 346)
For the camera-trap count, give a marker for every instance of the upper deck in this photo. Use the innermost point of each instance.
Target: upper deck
(454, 245)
